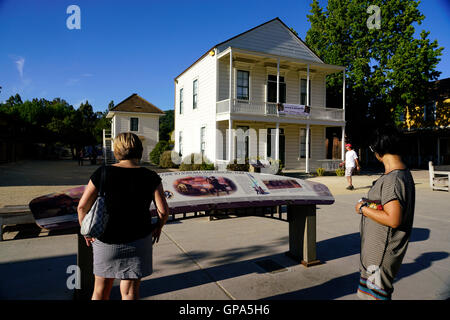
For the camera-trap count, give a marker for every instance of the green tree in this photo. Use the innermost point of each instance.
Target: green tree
(166, 125)
(387, 69)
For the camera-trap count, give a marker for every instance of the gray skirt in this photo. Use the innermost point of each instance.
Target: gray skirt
(132, 260)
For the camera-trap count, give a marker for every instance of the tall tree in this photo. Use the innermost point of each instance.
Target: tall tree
(387, 68)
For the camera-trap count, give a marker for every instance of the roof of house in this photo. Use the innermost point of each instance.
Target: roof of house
(241, 34)
(136, 103)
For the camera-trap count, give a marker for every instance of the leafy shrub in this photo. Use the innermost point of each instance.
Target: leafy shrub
(165, 161)
(160, 147)
(340, 172)
(238, 166)
(320, 171)
(195, 162)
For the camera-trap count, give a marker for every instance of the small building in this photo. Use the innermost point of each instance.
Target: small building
(136, 115)
(260, 95)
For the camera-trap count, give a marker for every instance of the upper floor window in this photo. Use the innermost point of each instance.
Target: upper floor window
(272, 89)
(242, 89)
(134, 124)
(194, 94)
(181, 100)
(303, 92)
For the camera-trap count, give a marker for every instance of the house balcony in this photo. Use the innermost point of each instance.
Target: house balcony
(258, 108)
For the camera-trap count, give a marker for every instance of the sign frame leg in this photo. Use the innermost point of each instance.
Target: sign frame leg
(302, 234)
(85, 260)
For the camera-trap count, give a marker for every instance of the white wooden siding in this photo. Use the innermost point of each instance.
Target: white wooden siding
(192, 120)
(148, 128)
(272, 38)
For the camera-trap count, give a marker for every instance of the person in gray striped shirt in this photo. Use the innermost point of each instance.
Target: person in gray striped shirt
(386, 218)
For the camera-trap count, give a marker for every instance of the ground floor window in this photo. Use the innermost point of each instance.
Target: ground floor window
(303, 143)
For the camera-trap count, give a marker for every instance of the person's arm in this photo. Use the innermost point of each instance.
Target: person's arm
(390, 216)
(87, 200)
(357, 164)
(163, 211)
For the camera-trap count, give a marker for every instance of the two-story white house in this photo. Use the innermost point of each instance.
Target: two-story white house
(137, 115)
(259, 94)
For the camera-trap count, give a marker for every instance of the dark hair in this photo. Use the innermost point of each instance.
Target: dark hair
(387, 139)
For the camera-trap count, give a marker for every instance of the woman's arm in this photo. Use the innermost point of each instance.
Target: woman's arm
(86, 201)
(163, 210)
(390, 216)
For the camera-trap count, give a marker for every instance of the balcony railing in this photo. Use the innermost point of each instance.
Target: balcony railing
(270, 108)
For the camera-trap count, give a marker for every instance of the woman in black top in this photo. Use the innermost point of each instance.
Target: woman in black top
(124, 251)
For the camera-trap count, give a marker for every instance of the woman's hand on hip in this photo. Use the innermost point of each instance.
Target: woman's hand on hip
(89, 240)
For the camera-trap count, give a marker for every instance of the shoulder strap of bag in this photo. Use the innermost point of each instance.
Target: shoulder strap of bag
(101, 191)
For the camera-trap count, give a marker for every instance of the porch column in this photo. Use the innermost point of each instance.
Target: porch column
(343, 93)
(230, 140)
(438, 162)
(277, 131)
(277, 142)
(307, 149)
(343, 144)
(307, 85)
(231, 79)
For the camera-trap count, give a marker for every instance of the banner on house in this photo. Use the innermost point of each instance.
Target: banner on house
(294, 109)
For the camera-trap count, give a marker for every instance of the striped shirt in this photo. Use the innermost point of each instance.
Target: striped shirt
(383, 247)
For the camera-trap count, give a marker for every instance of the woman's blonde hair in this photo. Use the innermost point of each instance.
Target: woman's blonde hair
(127, 146)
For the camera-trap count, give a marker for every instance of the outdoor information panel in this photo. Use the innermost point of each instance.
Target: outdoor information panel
(190, 191)
(203, 190)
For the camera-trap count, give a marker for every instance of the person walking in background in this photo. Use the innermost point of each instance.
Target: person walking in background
(351, 164)
(386, 218)
(80, 157)
(124, 251)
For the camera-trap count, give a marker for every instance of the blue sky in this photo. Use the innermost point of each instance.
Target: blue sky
(126, 47)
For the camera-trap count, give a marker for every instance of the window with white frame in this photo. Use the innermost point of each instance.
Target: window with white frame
(202, 140)
(242, 85)
(194, 94)
(303, 143)
(303, 92)
(181, 101)
(134, 124)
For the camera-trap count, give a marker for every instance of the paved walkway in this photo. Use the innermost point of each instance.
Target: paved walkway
(243, 258)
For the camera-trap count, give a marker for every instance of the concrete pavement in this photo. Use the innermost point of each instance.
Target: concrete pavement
(243, 258)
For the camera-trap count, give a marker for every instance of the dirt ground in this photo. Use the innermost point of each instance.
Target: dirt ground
(22, 181)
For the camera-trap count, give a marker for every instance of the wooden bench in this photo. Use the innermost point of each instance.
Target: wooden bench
(14, 215)
(439, 177)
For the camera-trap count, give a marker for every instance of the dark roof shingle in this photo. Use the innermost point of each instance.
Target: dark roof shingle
(136, 103)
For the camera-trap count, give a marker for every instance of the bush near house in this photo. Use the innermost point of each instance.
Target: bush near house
(238, 166)
(196, 162)
(157, 151)
(165, 161)
(320, 171)
(340, 172)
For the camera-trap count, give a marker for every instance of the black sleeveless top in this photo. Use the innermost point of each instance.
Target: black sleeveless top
(129, 193)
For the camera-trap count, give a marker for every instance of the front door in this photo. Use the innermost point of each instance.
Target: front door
(242, 134)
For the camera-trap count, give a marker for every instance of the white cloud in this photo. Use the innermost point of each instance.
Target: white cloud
(20, 62)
